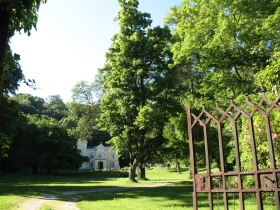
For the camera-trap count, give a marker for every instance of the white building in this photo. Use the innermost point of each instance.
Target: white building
(100, 157)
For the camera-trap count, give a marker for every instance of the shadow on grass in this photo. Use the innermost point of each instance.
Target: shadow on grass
(181, 193)
(36, 184)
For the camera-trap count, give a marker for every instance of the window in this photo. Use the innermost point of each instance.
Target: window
(112, 156)
(111, 164)
(101, 155)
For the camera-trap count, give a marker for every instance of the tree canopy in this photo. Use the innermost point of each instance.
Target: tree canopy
(35, 137)
(223, 44)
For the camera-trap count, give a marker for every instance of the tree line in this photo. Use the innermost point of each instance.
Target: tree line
(206, 51)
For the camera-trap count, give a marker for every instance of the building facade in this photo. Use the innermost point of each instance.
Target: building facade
(100, 157)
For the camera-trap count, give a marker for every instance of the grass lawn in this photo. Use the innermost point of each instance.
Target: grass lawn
(175, 196)
(16, 189)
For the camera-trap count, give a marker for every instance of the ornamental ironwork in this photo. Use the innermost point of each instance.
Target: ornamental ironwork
(250, 137)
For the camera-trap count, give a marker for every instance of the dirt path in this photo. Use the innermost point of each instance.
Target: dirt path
(36, 203)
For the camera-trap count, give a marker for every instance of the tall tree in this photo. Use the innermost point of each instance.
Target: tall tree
(83, 113)
(13, 73)
(175, 150)
(85, 93)
(50, 147)
(55, 107)
(81, 120)
(223, 44)
(9, 119)
(30, 105)
(12, 76)
(137, 84)
(15, 15)
(37, 138)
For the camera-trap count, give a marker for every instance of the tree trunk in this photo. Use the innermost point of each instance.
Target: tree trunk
(132, 170)
(1, 88)
(4, 29)
(178, 167)
(142, 171)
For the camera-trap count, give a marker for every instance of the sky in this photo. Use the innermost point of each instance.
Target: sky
(71, 41)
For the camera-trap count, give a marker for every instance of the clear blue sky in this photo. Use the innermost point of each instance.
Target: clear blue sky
(71, 40)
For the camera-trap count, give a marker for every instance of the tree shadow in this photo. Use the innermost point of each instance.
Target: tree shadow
(36, 184)
(181, 193)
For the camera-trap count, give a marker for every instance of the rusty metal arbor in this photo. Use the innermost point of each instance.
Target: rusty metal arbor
(265, 180)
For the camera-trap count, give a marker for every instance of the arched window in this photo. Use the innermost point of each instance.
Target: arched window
(101, 155)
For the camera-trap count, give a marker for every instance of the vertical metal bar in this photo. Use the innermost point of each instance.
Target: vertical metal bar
(253, 143)
(208, 168)
(241, 196)
(206, 151)
(270, 144)
(271, 156)
(258, 192)
(236, 146)
(255, 163)
(192, 157)
(195, 200)
(238, 164)
(225, 201)
(222, 161)
(241, 200)
(277, 199)
(210, 199)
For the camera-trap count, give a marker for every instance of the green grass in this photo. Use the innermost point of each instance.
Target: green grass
(54, 205)
(9, 201)
(16, 189)
(171, 197)
(175, 197)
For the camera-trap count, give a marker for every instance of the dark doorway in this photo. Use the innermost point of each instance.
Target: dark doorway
(100, 165)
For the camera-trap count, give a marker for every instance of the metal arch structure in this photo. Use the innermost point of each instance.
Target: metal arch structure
(264, 180)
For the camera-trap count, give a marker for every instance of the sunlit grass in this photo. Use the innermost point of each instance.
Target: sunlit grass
(9, 201)
(53, 205)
